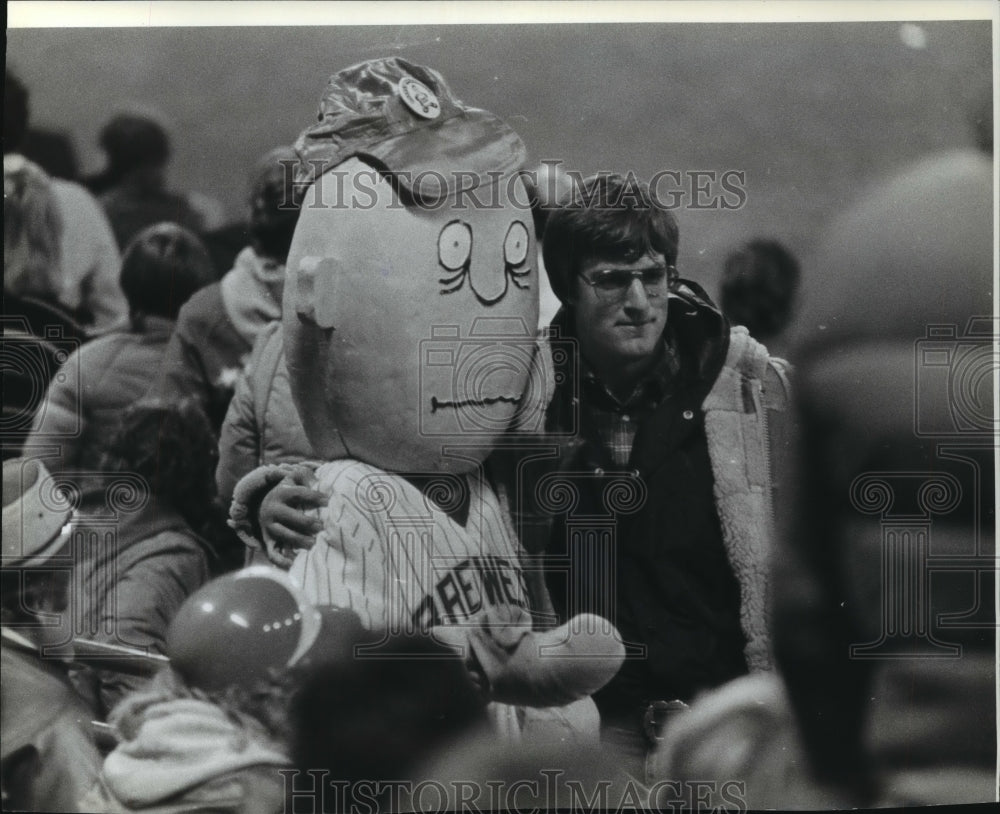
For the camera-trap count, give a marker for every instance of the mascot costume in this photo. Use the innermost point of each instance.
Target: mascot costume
(409, 323)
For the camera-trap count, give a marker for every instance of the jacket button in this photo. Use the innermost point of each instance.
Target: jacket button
(688, 415)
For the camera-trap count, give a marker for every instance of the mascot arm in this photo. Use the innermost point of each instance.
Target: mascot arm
(349, 566)
(540, 668)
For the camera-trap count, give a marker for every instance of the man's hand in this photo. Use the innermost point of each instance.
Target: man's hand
(285, 520)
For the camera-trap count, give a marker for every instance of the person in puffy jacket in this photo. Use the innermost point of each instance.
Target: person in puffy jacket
(262, 425)
(217, 329)
(162, 268)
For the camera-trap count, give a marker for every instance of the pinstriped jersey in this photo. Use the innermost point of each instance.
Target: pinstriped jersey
(391, 552)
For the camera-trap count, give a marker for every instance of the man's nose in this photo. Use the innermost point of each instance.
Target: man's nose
(636, 297)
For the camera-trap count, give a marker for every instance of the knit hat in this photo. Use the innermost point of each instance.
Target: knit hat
(35, 514)
(403, 118)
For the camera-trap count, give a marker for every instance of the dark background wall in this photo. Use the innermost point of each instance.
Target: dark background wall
(810, 112)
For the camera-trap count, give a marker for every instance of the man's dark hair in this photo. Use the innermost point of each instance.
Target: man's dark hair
(759, 284)
(15, 113)
(274, 205)
(612, 218)
(162, 267)
(172, 447)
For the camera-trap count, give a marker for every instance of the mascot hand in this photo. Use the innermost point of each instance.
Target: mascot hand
(457, 637)
(540, 668)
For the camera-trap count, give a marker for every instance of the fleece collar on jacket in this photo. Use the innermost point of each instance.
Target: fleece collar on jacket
(180, 744)
(736, 426)
(251, 293)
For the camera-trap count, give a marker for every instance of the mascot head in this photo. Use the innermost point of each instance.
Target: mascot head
(412, 297)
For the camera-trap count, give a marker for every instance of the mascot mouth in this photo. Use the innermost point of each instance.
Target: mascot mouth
(487, 402)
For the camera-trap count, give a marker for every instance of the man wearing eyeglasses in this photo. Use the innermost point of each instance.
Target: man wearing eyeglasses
(660, 419)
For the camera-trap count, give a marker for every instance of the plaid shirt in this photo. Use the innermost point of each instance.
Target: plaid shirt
(617, 422)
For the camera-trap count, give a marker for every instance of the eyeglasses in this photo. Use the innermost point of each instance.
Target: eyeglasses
(613, 284)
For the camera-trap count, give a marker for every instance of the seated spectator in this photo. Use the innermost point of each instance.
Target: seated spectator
(133, 187)
(379, 718)
(48, 758)
(211, 732)
(216, 330)
(760, 281)
(131, 588)
(88, 273)
(163, 267)
(37, 328)
(183, 750)
(32, 235)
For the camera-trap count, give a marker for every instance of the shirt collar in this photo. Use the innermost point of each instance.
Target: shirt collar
(656, 385)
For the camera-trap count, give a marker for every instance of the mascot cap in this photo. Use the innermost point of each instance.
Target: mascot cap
(404, 119)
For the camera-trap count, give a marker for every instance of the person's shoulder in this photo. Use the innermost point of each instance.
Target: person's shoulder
(175, 551)
(99, 352)
(67, 191)
(79, 207)
(204, 309)
(37, 684)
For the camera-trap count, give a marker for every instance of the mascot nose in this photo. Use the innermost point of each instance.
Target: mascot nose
(488, 282)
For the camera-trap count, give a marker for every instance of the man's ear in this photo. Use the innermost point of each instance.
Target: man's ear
(572, 292)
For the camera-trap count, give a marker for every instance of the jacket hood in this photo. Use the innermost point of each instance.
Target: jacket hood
(180, 744)
(251, 293)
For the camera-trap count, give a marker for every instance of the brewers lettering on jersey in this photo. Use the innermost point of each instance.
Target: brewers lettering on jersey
(392, 552)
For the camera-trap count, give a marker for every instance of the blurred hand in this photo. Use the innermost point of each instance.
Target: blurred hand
(456, 637)
(287, 516)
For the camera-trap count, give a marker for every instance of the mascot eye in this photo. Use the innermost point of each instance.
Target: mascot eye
(515, 245)
(455, 245)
